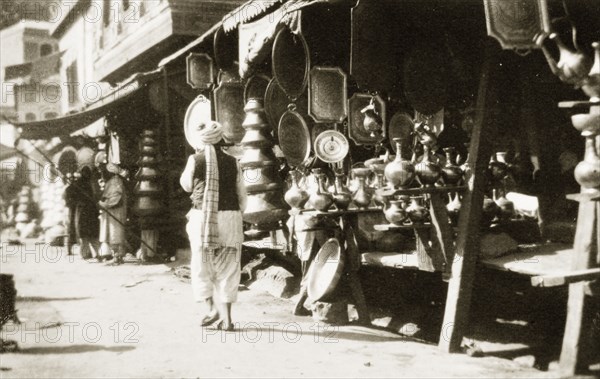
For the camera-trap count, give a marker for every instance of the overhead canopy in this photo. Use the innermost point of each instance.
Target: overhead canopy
(244, 14)
(208, 35)
(68, 124)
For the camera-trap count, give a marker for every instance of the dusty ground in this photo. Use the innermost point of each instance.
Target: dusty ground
(85, 319)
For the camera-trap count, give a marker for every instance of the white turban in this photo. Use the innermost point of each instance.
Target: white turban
(210, 134)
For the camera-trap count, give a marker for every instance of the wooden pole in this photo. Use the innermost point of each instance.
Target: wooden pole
(467, 245)
(576, 353)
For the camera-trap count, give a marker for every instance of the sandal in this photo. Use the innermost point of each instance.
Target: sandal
(221, 326)
(209, 319)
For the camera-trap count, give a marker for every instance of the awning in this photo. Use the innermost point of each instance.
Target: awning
(256, 38)
(247, 12)
(242, 14)
(68, 124)
(207, 36)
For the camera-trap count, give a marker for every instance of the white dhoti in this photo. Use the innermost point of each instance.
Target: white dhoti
(216, 273)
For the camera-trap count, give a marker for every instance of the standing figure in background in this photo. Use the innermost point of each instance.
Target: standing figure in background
(70, 197)
(86, 216)
(215, 226)
(114, 202)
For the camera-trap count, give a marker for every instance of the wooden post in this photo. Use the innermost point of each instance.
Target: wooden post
(467, 244)
(166, 138)
(576, 353)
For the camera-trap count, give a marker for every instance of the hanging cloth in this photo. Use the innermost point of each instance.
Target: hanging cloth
(114, 153)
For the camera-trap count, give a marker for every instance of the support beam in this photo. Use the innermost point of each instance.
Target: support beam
(458, 302)
(575, 353)
(566, 278)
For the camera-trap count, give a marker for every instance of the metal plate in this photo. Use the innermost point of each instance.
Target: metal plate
(327, 94)
(294, 138)
(256, 87)
(276, 104)
(290, 62)
(326, 270)
(200, 71)
(198, 112)
(401, 126)
(425, 77)
(225, 49)
(515, 24)
(331, 146)
(356, 131)
(229, 110)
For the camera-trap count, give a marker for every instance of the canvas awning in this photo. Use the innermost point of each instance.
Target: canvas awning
(231, 20)
(68, 124)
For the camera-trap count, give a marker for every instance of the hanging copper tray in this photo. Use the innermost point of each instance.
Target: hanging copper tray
(229, 110)
(256, 87)
(401, 126)
(327, 94)
(425, 78)
(276, 104)
(290, 62)
(225, 49)
(373, 53)
(294, 138)
(356, 130)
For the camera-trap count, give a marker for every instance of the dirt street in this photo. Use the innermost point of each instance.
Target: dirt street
(83, 319)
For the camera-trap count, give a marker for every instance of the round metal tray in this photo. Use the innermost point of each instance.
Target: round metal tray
(331, 146)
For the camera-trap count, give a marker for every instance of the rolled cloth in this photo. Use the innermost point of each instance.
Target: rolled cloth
(211, 134)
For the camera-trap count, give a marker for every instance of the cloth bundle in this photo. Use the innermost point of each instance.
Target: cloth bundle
(211, 134)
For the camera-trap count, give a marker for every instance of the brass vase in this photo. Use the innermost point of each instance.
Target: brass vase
(396, 213)
(296, 196)
(341, 195)
(451, 173)
(320, 200)
(428, 171)
(362, 196)
(416, 210)
(400, 173)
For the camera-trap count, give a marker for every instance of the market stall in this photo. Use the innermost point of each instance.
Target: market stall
(365, 131)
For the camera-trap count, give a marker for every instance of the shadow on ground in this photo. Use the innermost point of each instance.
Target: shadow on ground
(72, 349)
(42, 299)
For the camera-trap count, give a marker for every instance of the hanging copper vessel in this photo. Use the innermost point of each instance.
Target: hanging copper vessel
(148, 189)
(266, 205)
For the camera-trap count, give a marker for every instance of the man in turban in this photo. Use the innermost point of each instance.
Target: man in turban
(214, 223)
(114, 203)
